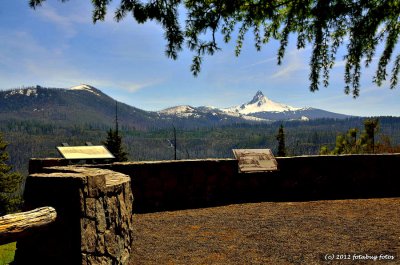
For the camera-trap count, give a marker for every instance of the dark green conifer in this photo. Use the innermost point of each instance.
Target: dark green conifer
(281, 142)
(10, 183)
(114, 141)
(371, 126)
(114, 145)
(349, 144)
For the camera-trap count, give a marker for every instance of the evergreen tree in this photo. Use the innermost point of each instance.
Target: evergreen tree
(10, 183)
(114, 145)
(324, 150)
(281, 142)
(114, 141)
(371, 126)
(349, 144)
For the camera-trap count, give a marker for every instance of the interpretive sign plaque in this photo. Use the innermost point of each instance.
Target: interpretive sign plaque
(255, 160)
(85, 152)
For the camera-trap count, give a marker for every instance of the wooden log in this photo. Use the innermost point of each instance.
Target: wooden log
(17, 225)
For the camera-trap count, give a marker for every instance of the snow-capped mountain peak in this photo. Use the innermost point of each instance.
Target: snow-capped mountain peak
(258, 97)
(86, 88)
(260, 103)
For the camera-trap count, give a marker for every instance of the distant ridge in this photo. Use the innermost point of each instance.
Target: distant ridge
(79, 104)
(260, 108)
(86, 104)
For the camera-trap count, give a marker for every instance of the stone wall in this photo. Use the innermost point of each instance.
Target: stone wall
(94, 217)
(94, 203)
(182, 184)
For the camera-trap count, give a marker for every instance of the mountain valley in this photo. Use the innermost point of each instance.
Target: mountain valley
(35, 120)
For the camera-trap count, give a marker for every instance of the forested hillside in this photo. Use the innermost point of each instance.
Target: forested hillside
(68, 107)
(39, 139)
(35, 120)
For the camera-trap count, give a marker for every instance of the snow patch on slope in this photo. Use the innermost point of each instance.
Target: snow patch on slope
(178, 110)
(181, 111)
(22, 91)
(86, 88)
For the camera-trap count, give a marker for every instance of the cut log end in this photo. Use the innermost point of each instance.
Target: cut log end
(17, 225)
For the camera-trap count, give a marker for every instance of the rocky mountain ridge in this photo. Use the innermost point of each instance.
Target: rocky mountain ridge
(87, 104)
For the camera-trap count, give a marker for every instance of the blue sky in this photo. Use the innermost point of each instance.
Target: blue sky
(57, 45)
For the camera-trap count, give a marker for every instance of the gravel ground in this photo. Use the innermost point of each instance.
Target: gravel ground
(272, 233)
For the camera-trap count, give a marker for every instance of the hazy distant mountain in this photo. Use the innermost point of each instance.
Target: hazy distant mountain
(189, 112)
(259, 109)
(86, 104)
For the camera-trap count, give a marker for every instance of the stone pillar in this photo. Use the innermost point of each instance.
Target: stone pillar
(94, 217)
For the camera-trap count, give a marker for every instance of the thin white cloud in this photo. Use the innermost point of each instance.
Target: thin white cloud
(342, 63)
(19, 42)
(288, 70)
(266, 61)
(295, 64)
(68, 23)
(134, 87)
(121, 85)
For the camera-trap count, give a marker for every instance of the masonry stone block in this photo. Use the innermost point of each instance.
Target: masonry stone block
(89, 235)
(96, 185)
(100, 216)
(90, 204)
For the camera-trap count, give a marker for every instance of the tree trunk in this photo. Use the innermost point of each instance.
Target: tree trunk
(17, 225)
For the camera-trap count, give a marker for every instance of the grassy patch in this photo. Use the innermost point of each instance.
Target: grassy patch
(7, 253)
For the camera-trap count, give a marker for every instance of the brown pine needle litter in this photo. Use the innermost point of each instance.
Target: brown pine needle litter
(350, 231)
